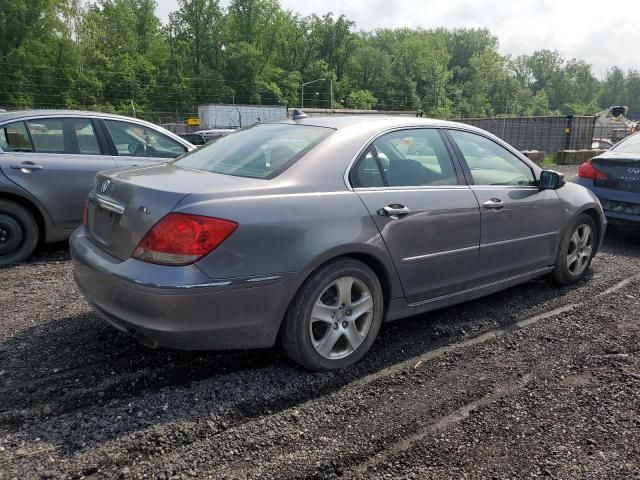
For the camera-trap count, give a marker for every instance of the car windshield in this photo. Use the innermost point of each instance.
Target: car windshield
(628, 145)
(261, 151)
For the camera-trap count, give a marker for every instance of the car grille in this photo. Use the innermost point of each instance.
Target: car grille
(621, 207)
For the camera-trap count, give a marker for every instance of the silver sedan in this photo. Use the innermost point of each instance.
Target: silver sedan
(314, 231)
(48, 160)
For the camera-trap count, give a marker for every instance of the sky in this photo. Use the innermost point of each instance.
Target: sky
(603, 33)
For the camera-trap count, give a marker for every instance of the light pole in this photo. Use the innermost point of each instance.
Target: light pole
(302, 89)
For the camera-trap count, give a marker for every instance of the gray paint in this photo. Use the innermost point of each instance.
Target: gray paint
(447, 250)
(58, 190)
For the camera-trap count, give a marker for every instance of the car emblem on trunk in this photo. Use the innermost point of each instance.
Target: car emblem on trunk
(143, 209)
(105, 186)
(634, 170)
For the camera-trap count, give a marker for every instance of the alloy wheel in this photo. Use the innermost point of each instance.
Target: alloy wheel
(580, 249)
(341, 318)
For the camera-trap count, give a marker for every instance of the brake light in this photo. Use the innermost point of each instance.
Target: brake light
(85, 212)
(181, 239)
(587, 170)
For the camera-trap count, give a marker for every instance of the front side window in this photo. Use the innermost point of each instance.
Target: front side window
(136, 140)
(260, 151)
(48, 135)
(15, 138)
(405, 158)
(490, 163)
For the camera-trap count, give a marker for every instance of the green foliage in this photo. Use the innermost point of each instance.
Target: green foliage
(117, 55)
(361, 100)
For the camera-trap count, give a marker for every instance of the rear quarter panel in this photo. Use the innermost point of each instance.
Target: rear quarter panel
(10, 191)
(292, 234)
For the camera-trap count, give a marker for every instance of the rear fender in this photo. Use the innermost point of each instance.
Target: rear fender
(11, 191)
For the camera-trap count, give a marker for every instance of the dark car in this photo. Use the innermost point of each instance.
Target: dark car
(614, 176)
(194, 138)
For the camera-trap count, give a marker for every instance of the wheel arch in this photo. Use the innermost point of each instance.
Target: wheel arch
(598, 221)
(382, 268)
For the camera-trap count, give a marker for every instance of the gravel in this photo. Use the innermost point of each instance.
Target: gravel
(536, 381)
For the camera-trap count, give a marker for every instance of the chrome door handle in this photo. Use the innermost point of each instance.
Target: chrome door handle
(395, 211)
(27, 166)
(493, 204)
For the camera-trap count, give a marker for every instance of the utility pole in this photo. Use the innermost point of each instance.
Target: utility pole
(331, 86)
(302, 89)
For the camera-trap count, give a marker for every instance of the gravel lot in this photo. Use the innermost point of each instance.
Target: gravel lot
(531, 382)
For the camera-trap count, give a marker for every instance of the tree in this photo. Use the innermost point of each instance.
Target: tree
(361, 100)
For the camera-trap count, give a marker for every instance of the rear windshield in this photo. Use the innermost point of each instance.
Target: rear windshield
(628, 145)
(261, 151)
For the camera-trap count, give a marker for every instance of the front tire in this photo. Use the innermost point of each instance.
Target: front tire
(19, 233)
(576, 251)
(335, 317)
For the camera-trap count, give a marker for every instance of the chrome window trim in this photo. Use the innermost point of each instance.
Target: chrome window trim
(412, 188)
(100, 116)
(505, 187)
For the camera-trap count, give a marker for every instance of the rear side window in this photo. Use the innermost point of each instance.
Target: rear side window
(261, 151)
(137, 140)
(15, 138)
(47, 135)
(406, 158)
(86, 137)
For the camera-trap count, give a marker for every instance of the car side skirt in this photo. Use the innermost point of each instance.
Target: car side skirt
(400, 308)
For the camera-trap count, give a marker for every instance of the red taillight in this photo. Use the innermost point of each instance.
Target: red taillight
(587, 170)
(181, 239)
(85, 212)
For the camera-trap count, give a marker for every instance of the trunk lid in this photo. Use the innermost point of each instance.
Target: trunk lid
(124, 204)
(622, 170)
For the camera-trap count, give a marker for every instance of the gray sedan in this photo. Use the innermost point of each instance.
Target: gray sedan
(48, 160)
(316, 230)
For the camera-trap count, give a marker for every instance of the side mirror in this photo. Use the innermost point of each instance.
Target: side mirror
(550, 180)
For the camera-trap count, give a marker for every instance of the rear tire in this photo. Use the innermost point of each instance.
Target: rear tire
(19, 233)
(577, 249)
(335, 317)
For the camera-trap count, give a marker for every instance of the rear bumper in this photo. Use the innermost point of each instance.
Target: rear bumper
(614, 201)
(180, 307)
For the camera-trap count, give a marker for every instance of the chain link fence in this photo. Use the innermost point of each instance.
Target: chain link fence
(546, 134)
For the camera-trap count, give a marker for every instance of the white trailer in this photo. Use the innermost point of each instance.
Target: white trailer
(238, 116)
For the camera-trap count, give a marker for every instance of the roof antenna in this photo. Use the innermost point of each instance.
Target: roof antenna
(298, 114)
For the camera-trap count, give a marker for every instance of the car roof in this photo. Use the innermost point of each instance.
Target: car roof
(19, 114)
(374, 121)
(33, 114)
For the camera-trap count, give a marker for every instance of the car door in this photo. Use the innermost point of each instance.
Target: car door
(428, 217)
(55, 159)
(137, 144)
(520, 225)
